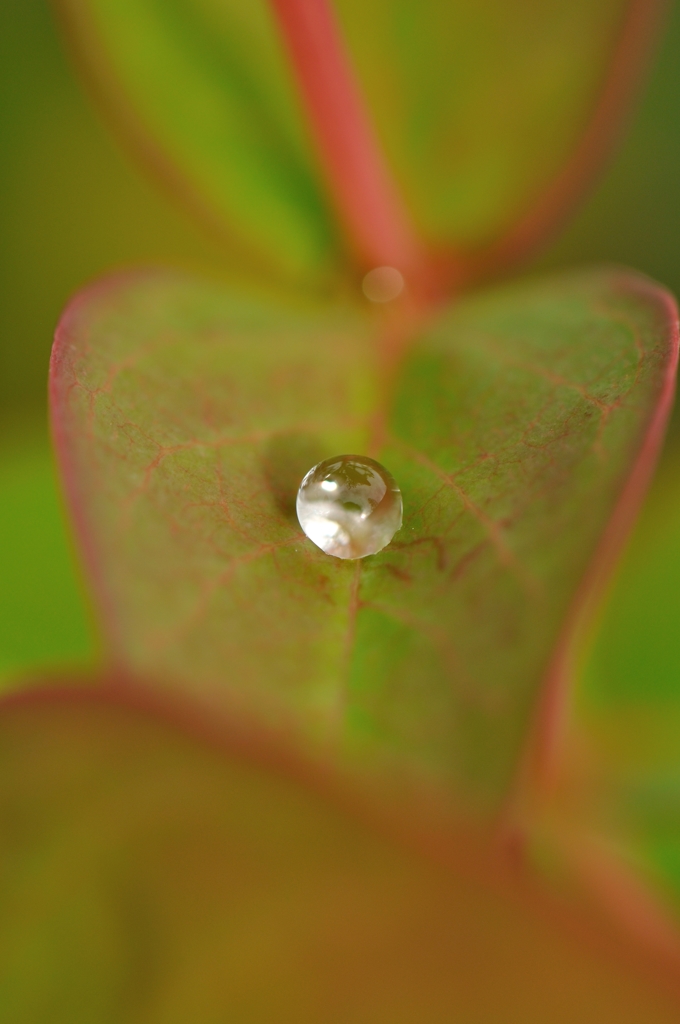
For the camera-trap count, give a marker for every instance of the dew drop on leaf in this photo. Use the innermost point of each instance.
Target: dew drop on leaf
(350, 506)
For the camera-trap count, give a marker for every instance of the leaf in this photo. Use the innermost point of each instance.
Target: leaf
(613, 812)
(517, 425)
(494, 116)
(146, 875)
(43, 618)
(491, 118)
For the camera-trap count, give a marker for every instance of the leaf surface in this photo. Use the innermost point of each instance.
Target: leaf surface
(186, 415)
(148, 876)
(614, 811)
(491, 115)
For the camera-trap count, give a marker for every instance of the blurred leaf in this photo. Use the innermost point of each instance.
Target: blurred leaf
(492, 115)
(635, 657)
(634, 213)
(148, 877)
(71, 206)
(43, 621)
(186, 416)
(619, 786)
(210, 85)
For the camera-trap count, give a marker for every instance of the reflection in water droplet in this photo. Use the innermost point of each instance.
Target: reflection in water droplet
(383, 284)
(350, 506)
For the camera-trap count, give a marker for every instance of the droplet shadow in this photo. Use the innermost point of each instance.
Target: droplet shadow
(285, 460)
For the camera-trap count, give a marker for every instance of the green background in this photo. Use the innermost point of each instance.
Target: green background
(73, 205)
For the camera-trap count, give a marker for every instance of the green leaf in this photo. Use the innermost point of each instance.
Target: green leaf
(146, 875)
(204, 89)
(517, 425)
(43, 619)
(492, 118)
(494, 115)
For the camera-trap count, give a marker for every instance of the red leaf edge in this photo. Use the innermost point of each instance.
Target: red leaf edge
(625, 897)
(68, 473)
(621, 894)
(553, 711)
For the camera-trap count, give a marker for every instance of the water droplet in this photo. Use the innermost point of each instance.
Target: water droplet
(350, 506)
(383, 284)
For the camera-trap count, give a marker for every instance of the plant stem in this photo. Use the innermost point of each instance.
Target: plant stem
(367, 199)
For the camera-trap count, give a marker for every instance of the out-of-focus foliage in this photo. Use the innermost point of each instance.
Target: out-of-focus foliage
(477, 106)
(147, 878)
(72, 205)
(42, 617)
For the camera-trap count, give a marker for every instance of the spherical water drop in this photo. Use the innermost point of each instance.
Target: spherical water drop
(350, 506)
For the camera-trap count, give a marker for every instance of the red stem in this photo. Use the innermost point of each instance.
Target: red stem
(367, 199)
